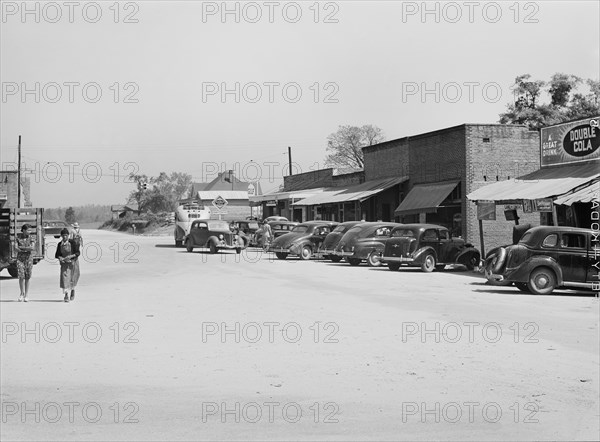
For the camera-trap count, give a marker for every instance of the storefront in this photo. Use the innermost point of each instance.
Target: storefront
(371, 201)
(564, 190)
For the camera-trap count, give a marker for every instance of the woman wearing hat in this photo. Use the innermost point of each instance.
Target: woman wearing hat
(67, 253)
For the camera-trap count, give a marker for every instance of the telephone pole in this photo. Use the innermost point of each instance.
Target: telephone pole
(290, 158)
(19, 177)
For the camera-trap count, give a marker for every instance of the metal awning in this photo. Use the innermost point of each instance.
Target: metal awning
(359, 192)
(544, 183)
(278, 196)
(584, 195)
(425, 198)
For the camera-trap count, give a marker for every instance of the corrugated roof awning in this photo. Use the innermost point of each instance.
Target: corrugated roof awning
(544, 183)
(359, 192)
(583, 195)
(298, 194)
(425, 198)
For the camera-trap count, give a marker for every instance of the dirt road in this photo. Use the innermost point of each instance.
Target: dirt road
(161, 344)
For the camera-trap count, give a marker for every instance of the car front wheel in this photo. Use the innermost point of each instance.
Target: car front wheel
(281, 255)
(353, 261)
(188, 246)
(335, 258)
(306, 253)
(428, 263)
(374, 259)
(177, 243)
(542, 281)
(13, 271)
(212, 248)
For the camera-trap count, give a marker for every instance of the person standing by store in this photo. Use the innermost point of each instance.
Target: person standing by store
(67, 252)
(25, 247)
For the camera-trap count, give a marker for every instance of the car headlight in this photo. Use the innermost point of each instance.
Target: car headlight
(221, 237)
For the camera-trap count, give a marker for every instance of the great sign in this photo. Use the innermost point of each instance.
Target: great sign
(570, 142)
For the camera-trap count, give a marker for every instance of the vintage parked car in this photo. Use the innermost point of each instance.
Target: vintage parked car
(214, 235)
(53, 227)
(281, 227)
(247, 230)
(546, 258)
(365, 241)
(327, 250)
(428, 246)
(303, 240)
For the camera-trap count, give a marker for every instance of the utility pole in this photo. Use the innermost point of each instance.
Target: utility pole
(19, 177)
(290, 158)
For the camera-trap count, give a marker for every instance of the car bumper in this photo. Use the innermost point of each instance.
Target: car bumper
(278, 250)
(398, 259)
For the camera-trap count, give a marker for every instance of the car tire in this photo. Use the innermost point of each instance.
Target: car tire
(522, 286)
(428, 263)
(238, 250)
(335, 258)
(281, 255)
(374, 259)
(212, 248)
(189, 247)
(305, 253)
(440, 267)
(13, 271)
(178, 243)
(393, 266)
(542, 281)
(354, 261)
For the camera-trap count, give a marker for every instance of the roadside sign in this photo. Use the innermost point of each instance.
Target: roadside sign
(486, 210)
(251, 189)
(219, 202)
(543, 205)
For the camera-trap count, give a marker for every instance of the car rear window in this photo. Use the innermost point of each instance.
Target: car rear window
(340, 229)
(300, 229)
(526, 237)
(406, 233)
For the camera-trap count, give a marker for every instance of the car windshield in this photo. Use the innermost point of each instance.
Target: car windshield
(218, 225)
(301, 229)
(341, 228)
(404, 233)
(253, 226)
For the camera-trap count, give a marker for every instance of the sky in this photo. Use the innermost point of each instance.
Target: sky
(101, 89)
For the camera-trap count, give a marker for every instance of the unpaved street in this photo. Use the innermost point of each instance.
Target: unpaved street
(161, 344)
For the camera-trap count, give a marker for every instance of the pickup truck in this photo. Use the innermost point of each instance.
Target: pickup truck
(11, 221)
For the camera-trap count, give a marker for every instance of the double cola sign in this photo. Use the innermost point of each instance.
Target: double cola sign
(582, 140)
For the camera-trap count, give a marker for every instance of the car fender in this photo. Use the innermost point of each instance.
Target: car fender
(298, 245)
(212, 240)
(521, 274)
(422, 252)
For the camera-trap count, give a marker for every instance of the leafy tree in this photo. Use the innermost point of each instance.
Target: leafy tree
(344, 147)
(164, 192)
(566, 102)
(70, 215)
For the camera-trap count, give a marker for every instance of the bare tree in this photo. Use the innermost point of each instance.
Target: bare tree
(344, 147)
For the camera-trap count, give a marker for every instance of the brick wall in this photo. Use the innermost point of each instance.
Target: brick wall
(308, 180)
(348, 179)
(512, 151)
(386, 160)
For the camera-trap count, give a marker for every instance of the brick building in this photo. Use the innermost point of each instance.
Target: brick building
(8, 190)
(564, 190)
(421, 178)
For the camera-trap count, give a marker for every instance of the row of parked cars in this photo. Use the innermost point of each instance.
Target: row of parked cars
(540, 259)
